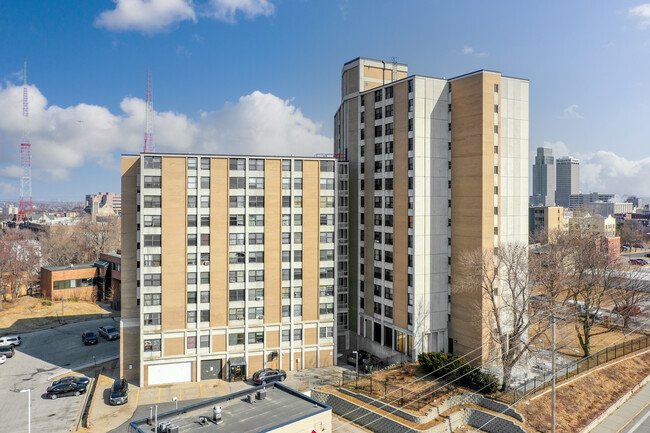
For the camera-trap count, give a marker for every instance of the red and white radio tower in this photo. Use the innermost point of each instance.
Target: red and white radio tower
(148, 132)
(25, 207)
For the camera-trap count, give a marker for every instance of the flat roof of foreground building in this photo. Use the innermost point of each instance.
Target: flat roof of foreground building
(278, 411)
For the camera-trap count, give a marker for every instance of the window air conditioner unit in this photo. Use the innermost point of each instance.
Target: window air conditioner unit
(260, 316)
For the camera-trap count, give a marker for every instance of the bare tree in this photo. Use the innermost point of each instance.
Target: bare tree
(634, 289)
(504, 281)
(19, 261)
(631, 233)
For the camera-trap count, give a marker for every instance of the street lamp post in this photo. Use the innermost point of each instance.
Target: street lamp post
(356, 386)
(62, 310)
(543, 364)
(29, 409)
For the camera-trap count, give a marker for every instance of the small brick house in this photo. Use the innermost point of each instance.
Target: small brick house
(72, 281)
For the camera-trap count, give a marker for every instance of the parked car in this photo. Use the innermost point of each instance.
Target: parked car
(7, 350)
(89, 337)
(636, 262)
(632, 310)
(3, 358)
(119, 392)
(14, 340)
(647, 254)
(644, 261)
(109, 332)
(267, 375)
(76, 379)
(65, 388)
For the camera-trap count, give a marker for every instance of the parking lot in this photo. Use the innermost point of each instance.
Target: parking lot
(43, 356)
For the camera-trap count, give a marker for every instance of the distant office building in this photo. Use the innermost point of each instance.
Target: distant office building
(567, 179)
(9, 210)
(581, 200)
(104, 204)
(636, 201)
(545, 222)
(543, 178)
(606, 209)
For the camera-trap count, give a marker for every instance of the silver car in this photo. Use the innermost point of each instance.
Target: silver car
(13, 340)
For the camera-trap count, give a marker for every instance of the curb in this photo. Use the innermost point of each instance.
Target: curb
(79, 367)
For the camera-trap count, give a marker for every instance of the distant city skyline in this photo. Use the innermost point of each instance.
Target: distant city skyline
(220, 66)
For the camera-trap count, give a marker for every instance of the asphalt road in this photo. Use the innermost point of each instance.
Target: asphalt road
(44, 354)
(641, 423)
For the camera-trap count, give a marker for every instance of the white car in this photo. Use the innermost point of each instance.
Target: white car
(2, 359)
(13, 340)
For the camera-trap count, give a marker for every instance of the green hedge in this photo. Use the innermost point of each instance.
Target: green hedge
(445, 363)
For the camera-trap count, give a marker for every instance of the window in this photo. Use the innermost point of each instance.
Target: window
(205, 220)
(389, 128)
(286, 293)
(297, 219)
(286, 311)
(204, 339)
(496, 210)
(236, 295)
(297, 238)
(286, 256)
(327, 166)
(236, 314)
(389, 92)
(496, 88)
(410, 125)
(297, 256)
(152, 345)
(205, 163)
(388, 204)
(191, 163)
(496, 230)
(255, 337)
(297, 201)
(297, 274)
(257, 275)
(496, 149)
(297, 165)
(205, 315)
(286, 237)
(496, 108)
(191, 182)
(256, 257)
(388, 293)
(152, 279)
(205, 201)
(286, 274)
(377, 308)
(388, 311)
(327, 219)
(152, 162)
(191, 317)
(410, 107)
(151, 201)
(327, 237)
(286, 201)
(297, 310)
(326, 202)
(191, 278)
(286, 165)
(152, 182)
(496, 129)
(237, 239)
(152, 220)
(237, 201)
(389, 184)
(378, 113)
(388, 275)
(256, 183)
(378, 95)
(152, 319)
(191, 201)
(235, 339)
(235, 220)
(256, 164)
(191, 220)
(389, 110)
(297, 334)
(234, 258)
(377, 219)
(286, 183)
(286, 335)
(236, 276)
(256, 313)
(237, 182)
(191, 259)
(205, 239)
(378, 184)
(389, 147)
(152, 299)
(205, 277)
(152, 259)
(327, 184)
(327, 272)
(256, 201)
(327, 254)
(327, 290)
(378, 130)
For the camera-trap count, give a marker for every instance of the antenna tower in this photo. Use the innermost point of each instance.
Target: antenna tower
(394, 59)
(148, 132)
(25, 207)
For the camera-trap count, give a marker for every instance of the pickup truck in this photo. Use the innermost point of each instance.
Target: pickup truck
(109, 332)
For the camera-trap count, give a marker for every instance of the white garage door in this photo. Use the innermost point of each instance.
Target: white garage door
(170, 373)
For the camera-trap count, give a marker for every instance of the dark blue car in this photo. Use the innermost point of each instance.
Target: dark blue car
(89, 337)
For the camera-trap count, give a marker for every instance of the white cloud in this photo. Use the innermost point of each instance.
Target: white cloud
(607, 172)
(609, 45)
(8, 189)
(641, 13)
(467, 50)
(148, 16)
(67, 138)
(571, 112)
(226, 10)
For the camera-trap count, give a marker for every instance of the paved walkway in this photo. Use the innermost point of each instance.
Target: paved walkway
(624, 414)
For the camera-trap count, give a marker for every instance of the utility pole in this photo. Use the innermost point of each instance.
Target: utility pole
(553, 379)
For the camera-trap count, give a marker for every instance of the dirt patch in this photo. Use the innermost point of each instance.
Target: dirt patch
(29, 313)
(582, 400)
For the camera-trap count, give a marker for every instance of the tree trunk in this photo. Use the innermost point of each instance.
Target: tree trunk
(507, 375)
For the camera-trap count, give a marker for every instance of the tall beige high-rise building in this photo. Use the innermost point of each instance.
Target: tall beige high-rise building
(437, 167)
(228, 265)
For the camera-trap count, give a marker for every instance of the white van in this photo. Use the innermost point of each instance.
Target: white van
(13, 340)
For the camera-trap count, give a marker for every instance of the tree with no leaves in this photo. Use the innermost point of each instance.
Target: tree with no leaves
(634, 289)
(502, 275)
(19, 262)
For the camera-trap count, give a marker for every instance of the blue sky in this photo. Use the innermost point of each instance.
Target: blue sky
(262, 76)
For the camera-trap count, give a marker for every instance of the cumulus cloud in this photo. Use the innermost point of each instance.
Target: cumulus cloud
(571, 112)
(153, 16)
(641, 13)
(467, 50)
(148, 16)
(8, 189)
(66, 138)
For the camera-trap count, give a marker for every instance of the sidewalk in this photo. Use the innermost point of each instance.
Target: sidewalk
(624, 414)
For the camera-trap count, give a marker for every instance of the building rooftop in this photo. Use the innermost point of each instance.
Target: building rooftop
(226, 155)
(69, 267)
(282, 406)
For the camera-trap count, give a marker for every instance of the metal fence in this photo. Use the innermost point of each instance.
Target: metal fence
(574, 369)
(414, 397)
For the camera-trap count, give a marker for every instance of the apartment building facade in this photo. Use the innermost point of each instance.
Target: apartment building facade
(229, 265)
(437, 168)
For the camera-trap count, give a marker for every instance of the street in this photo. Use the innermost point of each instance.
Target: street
(42, 355)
